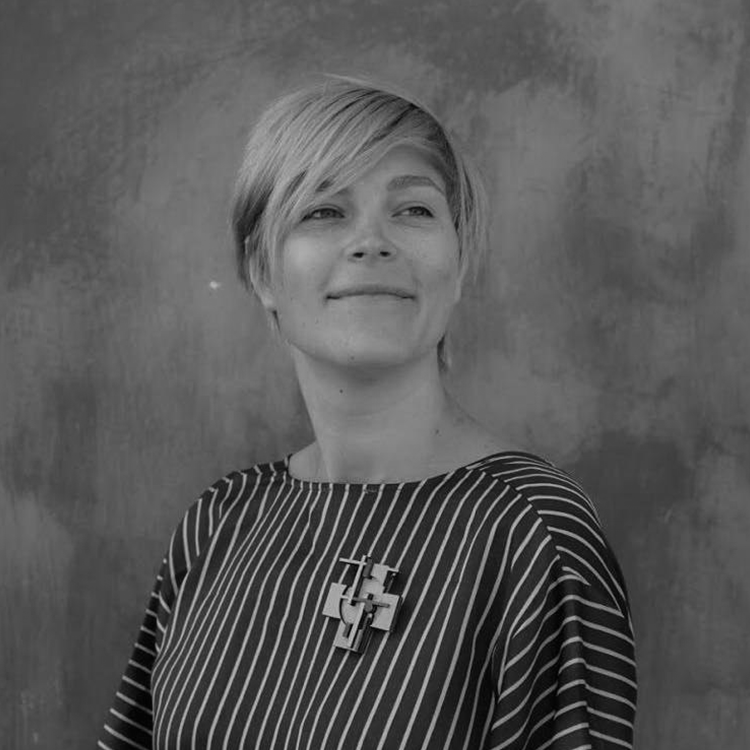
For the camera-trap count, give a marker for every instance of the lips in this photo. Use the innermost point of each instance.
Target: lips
(357, 290)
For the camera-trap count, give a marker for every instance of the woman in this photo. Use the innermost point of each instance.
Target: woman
(408, 580)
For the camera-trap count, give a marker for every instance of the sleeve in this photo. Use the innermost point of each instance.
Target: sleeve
(130, 718)
(129, 722)
(565, 671)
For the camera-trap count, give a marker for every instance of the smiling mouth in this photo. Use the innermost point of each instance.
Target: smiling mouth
(371, 291)
(372, 295)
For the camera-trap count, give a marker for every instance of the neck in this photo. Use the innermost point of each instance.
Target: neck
(389, 427)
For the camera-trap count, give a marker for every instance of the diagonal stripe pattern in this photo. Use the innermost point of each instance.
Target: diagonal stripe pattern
(514, 632)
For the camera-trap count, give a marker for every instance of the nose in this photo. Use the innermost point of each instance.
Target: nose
(370, 242)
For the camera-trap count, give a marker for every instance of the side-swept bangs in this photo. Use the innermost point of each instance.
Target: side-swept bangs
(318, 140)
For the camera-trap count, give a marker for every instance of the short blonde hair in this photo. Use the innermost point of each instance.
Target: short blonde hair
(318, 140)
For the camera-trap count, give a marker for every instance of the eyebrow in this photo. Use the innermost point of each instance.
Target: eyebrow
(400, 182)
(413, 180)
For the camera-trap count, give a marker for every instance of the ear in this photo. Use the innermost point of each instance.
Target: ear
(262, 288)
(459, 283)
(266, 297)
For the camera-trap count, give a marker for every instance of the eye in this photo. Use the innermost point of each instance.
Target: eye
(418, 211)
(324, 212)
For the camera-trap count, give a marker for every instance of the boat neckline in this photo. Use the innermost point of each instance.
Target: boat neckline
(282, 467)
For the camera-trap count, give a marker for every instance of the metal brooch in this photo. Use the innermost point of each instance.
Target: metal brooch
(363, 606)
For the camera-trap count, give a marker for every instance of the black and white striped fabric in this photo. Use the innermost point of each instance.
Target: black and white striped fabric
(514, 630)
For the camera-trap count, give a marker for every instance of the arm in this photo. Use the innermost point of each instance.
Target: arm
(564, 669)
(566, 676)
(129, 723)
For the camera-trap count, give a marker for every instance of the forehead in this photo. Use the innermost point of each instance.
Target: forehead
(400, 168)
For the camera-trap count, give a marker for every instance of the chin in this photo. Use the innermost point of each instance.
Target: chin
(371, 357)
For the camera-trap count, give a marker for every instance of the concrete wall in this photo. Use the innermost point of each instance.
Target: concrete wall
(609, 333)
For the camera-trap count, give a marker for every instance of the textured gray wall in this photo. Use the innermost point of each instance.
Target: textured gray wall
(610, 332)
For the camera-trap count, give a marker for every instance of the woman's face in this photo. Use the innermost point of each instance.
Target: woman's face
(369, 276)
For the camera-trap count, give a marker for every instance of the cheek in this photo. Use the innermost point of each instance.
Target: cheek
(295, 282)
(304, 266)
(299, 301)
(441, 269)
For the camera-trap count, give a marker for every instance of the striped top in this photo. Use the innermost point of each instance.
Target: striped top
(514, 631)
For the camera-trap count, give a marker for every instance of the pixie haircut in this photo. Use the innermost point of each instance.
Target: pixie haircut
(314, 142)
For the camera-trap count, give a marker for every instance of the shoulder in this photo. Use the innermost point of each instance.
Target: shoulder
(565, 518)
(548, 488)
(214, 507)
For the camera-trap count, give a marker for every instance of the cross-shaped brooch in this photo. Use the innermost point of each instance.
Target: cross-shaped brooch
(364, 605)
